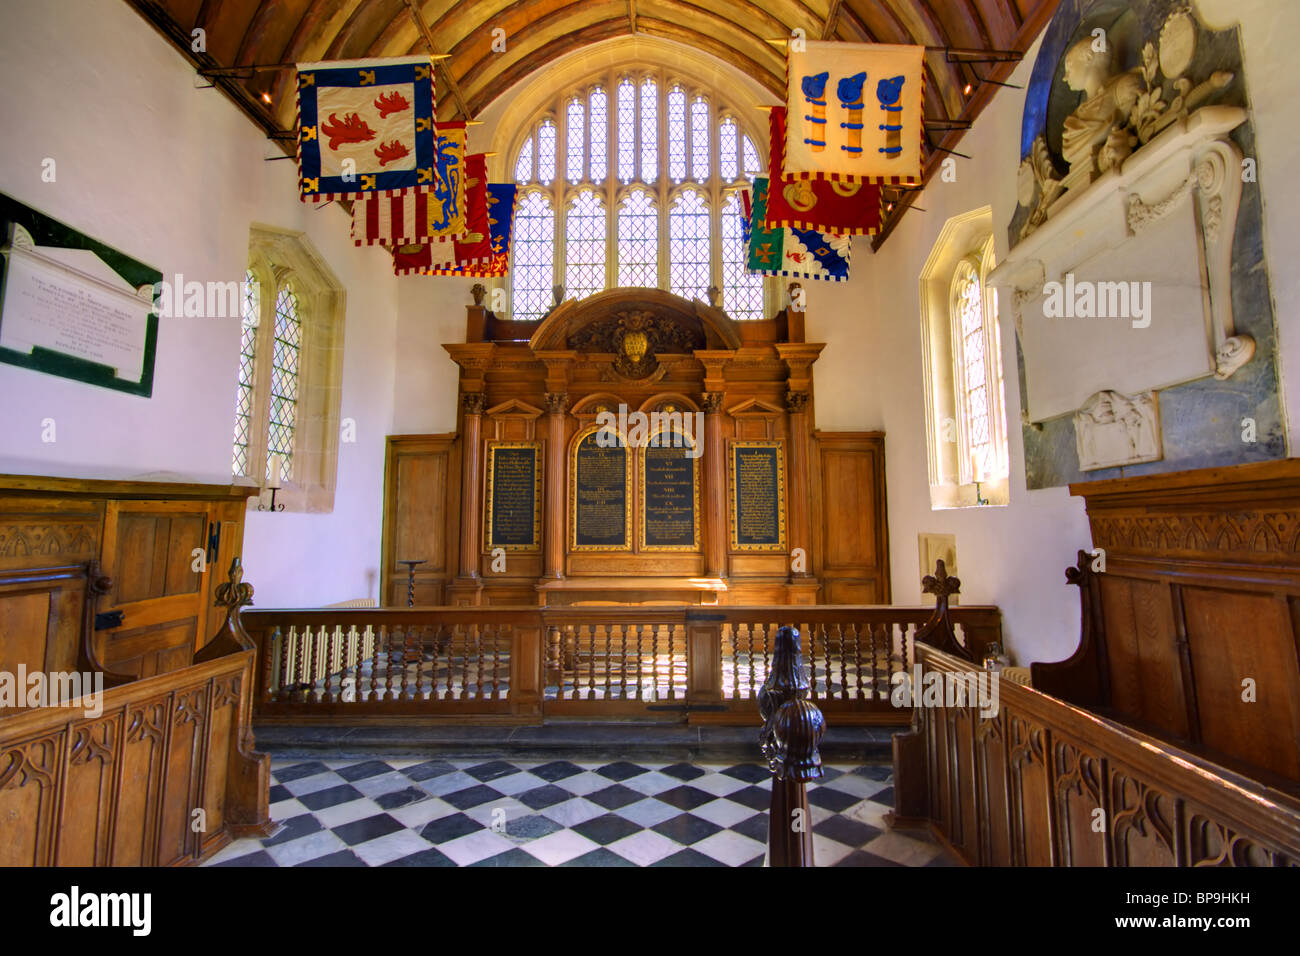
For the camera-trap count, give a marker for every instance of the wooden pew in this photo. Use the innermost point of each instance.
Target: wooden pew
(120, 781)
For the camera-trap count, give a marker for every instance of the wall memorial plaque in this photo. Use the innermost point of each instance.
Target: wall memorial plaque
(756, 480)
(513, 519)
(600, 492)
(670, 497)
(72, 306)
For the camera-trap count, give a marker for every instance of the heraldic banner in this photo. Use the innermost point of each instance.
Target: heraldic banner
(855, 112)
(804, 253)
(425, 213)
(827, 205)
(365, 126)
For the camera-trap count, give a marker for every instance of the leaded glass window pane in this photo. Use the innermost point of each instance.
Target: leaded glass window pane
(728, 161)
(649, 131)
(973, 387)
(742, 291)
(577, 120)
(753, 166)
(599, 129)
(524, 167)
(284, 381)
(585, 243)
(626, 130)
(250, 321)
(546, 152)
(638, 241)
(700, 139)
(688, 246)
(677, 134)
(533, 256)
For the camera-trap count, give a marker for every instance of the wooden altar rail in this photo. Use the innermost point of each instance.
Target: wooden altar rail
(523, 662)
(1046, 783)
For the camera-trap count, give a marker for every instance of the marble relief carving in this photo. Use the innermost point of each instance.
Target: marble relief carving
(1113, 429)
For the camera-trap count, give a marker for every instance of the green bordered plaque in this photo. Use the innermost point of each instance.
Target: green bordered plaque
(670, 496)
(513, 517)
(600, 492)
(756, 486)
(72, 306)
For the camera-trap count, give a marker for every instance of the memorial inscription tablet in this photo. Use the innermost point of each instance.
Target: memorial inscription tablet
(73, 306)
(600, 494)
(757, 484)
(670, 498)
(514, 496)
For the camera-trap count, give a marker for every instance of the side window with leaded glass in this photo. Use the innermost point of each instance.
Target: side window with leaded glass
(283, 418)
(245, 391)
(289, 383)
(633, 179)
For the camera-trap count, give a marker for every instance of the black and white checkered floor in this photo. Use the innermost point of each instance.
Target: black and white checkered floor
(417, 812)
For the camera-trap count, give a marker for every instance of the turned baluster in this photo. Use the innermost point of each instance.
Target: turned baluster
(622, 661)
(496, 663)
(271, 644)
(639, 692)
(792, 729)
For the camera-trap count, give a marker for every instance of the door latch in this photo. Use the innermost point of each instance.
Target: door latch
(107, 620)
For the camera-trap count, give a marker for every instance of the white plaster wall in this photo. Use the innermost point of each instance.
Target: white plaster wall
(174, 176)
(871, 378)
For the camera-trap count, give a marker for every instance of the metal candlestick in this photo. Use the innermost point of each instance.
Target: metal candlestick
(273, 506)
(410, 579)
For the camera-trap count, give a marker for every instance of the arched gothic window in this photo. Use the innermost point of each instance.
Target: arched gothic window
(964, 388)
(288, 385)
(633, 180)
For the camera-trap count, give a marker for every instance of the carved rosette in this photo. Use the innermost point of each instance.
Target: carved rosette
(474, 403)
(557, 403)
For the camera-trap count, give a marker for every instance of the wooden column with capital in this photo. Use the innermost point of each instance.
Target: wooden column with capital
(715, 478)
(796, 405)
(471, 506)
(557, 407)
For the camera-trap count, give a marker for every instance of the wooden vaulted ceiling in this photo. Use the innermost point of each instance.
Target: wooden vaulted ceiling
(241, 35)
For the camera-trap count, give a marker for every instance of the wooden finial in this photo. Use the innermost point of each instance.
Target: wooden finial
(938, 631)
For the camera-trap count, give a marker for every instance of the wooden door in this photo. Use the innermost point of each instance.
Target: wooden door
(156, 553)
(855, 540)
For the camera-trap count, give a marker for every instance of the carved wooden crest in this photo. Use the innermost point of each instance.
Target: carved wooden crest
(635, 338)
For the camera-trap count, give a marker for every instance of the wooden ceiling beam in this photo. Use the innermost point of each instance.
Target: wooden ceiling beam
(982, 96)
(514, 72)
(631, 16)
(440, 64)
(832, 20)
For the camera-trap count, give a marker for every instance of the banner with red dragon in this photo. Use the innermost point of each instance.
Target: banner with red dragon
(366, 126)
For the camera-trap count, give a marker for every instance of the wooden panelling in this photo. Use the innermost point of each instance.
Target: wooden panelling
(1082, 791)
(121, 788)
(1190, 628)
(1142, 645)
(156, 543)
(854, 565)
(419, 516)
(551, 384)
(1248, 683)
